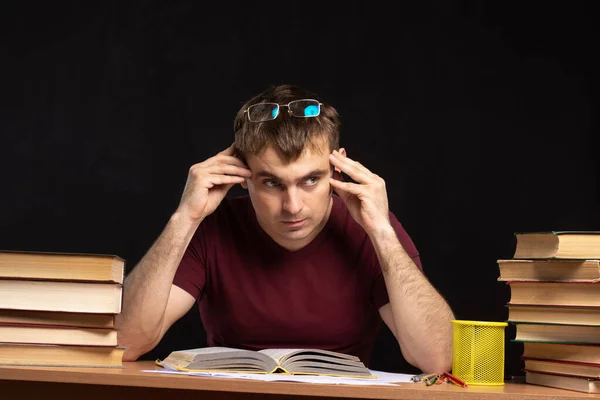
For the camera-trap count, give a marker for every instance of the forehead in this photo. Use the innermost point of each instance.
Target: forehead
(272, 162)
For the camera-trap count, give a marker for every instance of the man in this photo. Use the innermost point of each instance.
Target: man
(292, 264)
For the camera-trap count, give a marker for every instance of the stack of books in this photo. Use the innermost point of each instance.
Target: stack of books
(58, 309)
(554, 280)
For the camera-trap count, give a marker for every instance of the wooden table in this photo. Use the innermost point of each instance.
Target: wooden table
(130, 383)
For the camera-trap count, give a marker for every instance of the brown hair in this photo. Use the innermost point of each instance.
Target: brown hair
(288, 134)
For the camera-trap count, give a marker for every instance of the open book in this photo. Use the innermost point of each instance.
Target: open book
(268, 361)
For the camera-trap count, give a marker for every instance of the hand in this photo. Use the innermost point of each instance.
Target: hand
(208, 182)
(367, 199)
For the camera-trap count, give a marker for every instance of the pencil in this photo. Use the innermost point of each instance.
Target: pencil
(454, 379)
(423, 377)
(432, 380)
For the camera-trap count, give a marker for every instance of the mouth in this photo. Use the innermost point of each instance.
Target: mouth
(294, 223)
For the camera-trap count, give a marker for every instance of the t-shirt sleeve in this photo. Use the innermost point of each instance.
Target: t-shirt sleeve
(191, 273)
(379, 294)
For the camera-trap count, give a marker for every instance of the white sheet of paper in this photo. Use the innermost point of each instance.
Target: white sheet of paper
(383, 378)
(392, 377)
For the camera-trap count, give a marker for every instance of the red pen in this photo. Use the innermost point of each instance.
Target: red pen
(455, 380)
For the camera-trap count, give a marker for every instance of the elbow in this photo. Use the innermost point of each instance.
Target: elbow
(431, 361)
(136, 342)
(131, 354)
(436, 362)
(134, 349)
(436, 365)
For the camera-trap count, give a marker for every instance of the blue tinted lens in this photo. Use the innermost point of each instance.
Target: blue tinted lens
(311, 111)
(275, 112)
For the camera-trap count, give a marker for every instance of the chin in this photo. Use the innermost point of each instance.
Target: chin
(299, 234)
(295, 235)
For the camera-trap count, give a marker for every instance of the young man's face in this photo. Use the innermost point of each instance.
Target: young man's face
(292, 200)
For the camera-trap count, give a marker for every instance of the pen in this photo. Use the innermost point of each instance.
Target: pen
(455, 380)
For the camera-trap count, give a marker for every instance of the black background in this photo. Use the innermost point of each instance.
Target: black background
(479, 115)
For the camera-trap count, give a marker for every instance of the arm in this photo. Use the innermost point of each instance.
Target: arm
(417, 314)
(151, 303)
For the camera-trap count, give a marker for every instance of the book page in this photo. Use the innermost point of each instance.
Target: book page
(220, 358)
(278, 354)
(283, 354)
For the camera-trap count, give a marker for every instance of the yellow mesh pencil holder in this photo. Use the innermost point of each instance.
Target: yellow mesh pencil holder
(478, 352)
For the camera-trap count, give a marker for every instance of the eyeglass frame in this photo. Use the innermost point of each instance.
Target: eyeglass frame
(288, 108)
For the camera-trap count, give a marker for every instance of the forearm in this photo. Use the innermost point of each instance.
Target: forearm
(421, 316)
(146, 289)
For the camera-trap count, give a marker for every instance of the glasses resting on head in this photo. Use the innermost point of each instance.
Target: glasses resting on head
(304, 108)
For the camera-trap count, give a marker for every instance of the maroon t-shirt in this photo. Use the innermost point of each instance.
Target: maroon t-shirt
(255, 294)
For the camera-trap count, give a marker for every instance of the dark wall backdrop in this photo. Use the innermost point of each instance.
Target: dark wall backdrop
(479, 115)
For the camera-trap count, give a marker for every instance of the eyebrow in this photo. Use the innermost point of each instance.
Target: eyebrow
(316, 173)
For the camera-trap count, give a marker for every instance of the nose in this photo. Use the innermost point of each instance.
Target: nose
(292, 203)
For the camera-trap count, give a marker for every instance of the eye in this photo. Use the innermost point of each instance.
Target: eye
(270, 183)
(312, 181)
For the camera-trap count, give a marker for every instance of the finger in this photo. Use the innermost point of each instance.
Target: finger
(214, 180)
(347, 187)
(354, 170)
(228, 169)
(352, 162)
(231, 160)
